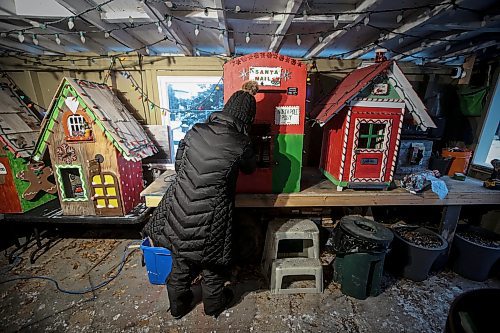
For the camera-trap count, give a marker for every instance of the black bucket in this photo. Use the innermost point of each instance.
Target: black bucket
(472, 260)
(411, 260)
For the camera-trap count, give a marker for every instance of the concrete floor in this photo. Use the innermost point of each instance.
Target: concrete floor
(131, 304)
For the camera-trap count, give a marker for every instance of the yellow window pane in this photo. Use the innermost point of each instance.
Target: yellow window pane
(96, 180)
(113, 203)
(111, 191)
(99, 192)
(108, 179)
(101, 203)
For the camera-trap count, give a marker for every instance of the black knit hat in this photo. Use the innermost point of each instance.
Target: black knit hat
(241, 105)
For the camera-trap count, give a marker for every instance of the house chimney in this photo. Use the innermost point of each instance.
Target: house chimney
(380, 55)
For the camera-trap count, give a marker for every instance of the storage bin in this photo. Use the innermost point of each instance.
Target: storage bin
(158, 262)
(460, 161)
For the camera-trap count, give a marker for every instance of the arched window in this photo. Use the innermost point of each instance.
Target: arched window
(77, 127)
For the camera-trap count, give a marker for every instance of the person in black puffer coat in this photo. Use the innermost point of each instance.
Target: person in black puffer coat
(193, 219)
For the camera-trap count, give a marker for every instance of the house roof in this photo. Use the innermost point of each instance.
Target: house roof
(109, 114)
(358, 79)
(18, 126)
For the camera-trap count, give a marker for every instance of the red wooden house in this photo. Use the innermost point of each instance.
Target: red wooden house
(362, 121)
(96, 147)
(278, 130)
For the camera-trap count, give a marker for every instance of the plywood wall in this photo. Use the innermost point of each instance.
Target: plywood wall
(40, 80)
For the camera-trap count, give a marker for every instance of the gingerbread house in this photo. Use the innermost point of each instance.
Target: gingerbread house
(23, 185)
(96, 147)
(362, 121)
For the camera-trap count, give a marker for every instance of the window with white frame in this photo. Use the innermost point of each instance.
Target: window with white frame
(189, 100)
(76, 125)
(488, 147)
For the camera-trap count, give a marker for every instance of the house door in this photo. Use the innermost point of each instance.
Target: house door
(105, 192)
(371, 142)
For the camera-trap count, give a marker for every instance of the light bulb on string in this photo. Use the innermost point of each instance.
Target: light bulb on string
(131, 20)
(358, 27)
(3, 34)
(320, 39)
(169, 4)
(399, 18)
(82, 37)
(484, 21)
(71, 23)
(58, 40)
(423, 44)
(196, 30)
(401, 40)
(197, 52)
(20, 37)
(169, 21)
(35, 40)
(299, 41)
(147, 50)
(221, 35)
(237, 9)
(206, 12)
(160, 30)
(366, 20)
(448, 47)
(247, 38)
(106, 34)
(304, 15)
(336, 20)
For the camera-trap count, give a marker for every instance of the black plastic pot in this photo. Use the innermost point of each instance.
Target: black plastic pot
(471, 260)
(414, 261)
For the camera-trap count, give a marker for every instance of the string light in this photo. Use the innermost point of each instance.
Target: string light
(320, 39)
(197, 30)
(335, 21)
(299, 41)
(399, 18)
(106, 34)
(71, 23)
(206, 11)
(197, 52)
(237, 9)
(160, 30)
(448, 47)
(35, 40)
(483, 22)
(366, 20)
(131, 20)
(401, 40)
(20, 37)
(169, 4)
(147, 50)
(221, 35)
(169, 21)
(247, 38)
(58, 40)
(358, 27)
(304, 15)
(3, 34)
(82, 37)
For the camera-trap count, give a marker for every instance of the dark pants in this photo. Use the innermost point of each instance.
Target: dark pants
(179, 286)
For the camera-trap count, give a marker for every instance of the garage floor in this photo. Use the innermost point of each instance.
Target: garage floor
(130, 304)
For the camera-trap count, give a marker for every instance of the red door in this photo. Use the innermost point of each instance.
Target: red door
(371, 149)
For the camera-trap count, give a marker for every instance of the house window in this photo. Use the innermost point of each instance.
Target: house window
(77, 127)
(371, 136)
(189, 100)
(71, 183)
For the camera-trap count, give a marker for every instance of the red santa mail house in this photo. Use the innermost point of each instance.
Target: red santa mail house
(362, 121)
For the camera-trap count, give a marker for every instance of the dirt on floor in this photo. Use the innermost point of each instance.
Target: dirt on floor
(130, 303)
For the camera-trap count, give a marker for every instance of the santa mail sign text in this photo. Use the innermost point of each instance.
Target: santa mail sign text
(266, 76)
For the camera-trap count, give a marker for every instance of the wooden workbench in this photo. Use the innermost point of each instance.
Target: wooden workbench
(318, 191)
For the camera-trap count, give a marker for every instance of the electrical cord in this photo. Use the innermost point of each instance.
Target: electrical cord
(86, 290)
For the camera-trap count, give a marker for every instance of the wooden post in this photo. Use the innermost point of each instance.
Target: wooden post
(449, 222)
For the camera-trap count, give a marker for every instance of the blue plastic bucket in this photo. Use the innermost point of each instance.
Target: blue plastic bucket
(158, 262)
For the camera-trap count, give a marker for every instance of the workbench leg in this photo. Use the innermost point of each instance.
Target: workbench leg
(449, 222)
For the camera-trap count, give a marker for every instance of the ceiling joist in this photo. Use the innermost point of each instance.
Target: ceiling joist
(221, 17)
(291, 7)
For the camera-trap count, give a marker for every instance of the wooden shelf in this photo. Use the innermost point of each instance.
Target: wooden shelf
(318, 191)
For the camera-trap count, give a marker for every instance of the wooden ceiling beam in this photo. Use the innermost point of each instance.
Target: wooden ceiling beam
(221, 17)
(328, 39)
(157, 11)
(291, 7)
(93, 17)
(410, 23)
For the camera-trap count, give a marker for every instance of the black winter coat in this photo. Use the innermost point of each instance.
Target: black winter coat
(194, 217)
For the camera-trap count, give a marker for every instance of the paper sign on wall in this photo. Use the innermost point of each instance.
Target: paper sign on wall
(287, 115)
(266, 76)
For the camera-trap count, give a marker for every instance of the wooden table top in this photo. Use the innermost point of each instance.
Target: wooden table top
(318, 191)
